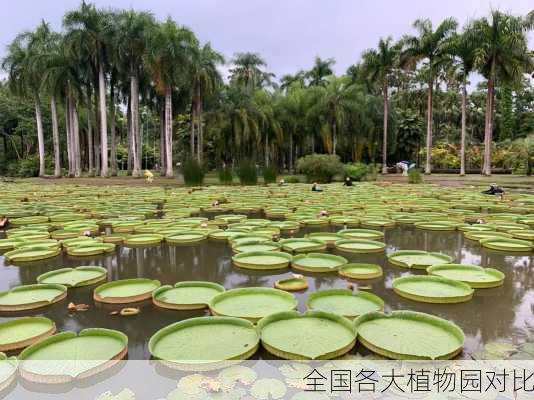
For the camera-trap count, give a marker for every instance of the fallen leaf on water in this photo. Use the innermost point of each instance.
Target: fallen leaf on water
(129, 311)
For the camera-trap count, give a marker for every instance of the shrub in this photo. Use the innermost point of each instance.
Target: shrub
(415, 176)
(356, 171)
(270, 174)
(292, 179)
(320, 167)
(226, 176)
(372, 172)
(246, 172)
(193, 173)
(29, 167)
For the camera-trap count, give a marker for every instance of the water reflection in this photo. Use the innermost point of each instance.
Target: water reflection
(500, 313)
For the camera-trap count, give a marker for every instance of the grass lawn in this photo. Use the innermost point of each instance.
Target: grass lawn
(512, 182)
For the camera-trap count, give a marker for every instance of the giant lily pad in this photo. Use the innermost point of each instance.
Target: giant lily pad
(360, 271)
(74, 277)
(256, 246)
(252, 303)
(31, 254)
(22, 332)
(360, 246)
(186, 237)
(8, 369)
(192, 295)
(409, 335)
(28, 297)
(317, 262)
(417, 259)
(67, 356)
(435, 226)
(328, 237)
(368, 234)
(146, 239)
(474, 275)
(262, 260)
(204, 342)
(126, 290)
(293, 284)
(90, 249)
(344, 302)
(302, 245)
(315, 335)
(507, 244)
(432, 289)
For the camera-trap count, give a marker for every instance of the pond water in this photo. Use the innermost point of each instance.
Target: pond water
(503, 313)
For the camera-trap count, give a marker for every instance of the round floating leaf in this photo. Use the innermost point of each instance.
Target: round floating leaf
(368, 234)
(344, 302)
(126, 291)
(432, 289)
(266, 389)
(192, 295)
(22, 332)
(360, 246)
(315, 335)
(74, 277)
(317, 262)
(473, 275)
(302, 245)
(417, 259)
(252, 303)
(360, 271)
(262, 260)
(409, 335)
(291, 284)
(31, 254)
(506, 244)
(28, 297)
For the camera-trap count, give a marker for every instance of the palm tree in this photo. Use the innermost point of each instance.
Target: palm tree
(25, 79)
(131, 44)
(87, 27)
(432, 46)
(206, 78)
(464, 50)
(288, 80)
(378, 66)
(320, 70)
(247, 72)
(170, 59)
(502, 55)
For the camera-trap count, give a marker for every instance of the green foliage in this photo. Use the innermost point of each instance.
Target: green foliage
(320, 167)
(193, 173)
(409, 134)
(270, 174)
(28, 167)
(226, 176)
(292, 179)
(415, 176)
(246, 172)
(356, 171)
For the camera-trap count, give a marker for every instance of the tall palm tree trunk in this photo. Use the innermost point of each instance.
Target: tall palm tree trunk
(168, 132)
(113, 136)
(162, 156)
(103, 121)
(385, 139)
(40, 136)
(134, 124)
(429, 123)
(200, 130)
(488, 128)
(96, 138)
(464, 128)
(90, 144)
(193, 123)
(334, 137)
(76, 141)
(69, 135)
(55, 137)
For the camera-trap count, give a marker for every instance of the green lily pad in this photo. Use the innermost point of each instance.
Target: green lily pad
(291, 284)
(74, 277)
(360, 271)
(126, 291)
(432, 289)
(344, 302)
(360, 246)
(262, 260)
(368, 234)
(22, 332)
(252, 303)
(417, 259)
(28, 297)
(318, 262)
(302, 245)
(473, 275)
(31, 254)
(267, 389)
(191, 295)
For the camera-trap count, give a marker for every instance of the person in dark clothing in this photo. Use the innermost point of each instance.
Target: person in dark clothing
(316, 188)
(348, 181)
(493, 190)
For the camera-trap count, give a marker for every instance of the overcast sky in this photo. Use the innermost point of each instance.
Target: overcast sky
(287, 33)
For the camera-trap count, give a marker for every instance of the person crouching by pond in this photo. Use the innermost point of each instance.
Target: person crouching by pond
(316, 187)
(493, 190)
(348, 181)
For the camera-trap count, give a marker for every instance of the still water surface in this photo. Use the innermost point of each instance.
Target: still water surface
(504, 313)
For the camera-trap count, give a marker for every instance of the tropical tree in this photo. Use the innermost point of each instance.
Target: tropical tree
(87, 29)
(320, 70)
(463, 47)
(205, 79)
(131, 43)
(170, 60)
(378, 65)
(502, 55)
(25, 78)
(248, 72)
(433, 47)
